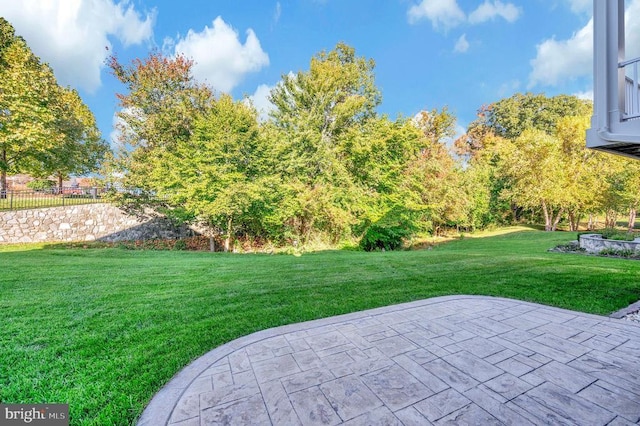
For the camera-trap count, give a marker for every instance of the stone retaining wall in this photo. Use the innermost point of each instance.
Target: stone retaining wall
(594, 243)
(87, 222)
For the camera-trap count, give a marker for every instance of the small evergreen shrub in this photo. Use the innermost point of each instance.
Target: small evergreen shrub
(379, 237)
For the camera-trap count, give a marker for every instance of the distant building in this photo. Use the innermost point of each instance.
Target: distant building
(615, 125)
(19, 182)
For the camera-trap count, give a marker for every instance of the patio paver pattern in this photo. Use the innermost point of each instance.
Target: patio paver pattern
(447, 360)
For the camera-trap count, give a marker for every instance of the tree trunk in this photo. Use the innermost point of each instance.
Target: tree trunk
(572, 217)
(547, 217)
(307, 236)
(610, 219)
(574, 220)
(60, 182)
(591, 222)
(632, 218)
(227, 241)
(557, 220)
(212, 243)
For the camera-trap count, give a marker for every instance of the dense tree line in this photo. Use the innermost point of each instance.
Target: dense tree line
(326, 167)
(45, 129)
(533, 149)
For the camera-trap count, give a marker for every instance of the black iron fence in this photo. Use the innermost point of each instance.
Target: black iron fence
(51, 197)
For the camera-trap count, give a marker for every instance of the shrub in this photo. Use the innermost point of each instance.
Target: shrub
(614, 234)
(617, 252)
(180, 245)
(40, 184)
(570, 247)
(379, 237)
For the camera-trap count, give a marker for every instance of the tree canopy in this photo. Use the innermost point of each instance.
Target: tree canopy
(327, 168)
(45, 129)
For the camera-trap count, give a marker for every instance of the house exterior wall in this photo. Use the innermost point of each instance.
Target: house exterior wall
(610, 131)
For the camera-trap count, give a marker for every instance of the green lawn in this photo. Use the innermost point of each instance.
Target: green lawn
(22, 202)
(104, 329)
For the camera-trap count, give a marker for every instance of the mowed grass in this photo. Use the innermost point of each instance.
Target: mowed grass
(105, 329)
(19, 202)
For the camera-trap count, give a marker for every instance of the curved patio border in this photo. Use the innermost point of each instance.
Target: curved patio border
(490, 345)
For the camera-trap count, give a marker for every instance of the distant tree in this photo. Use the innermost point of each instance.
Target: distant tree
(79, 148)
(337, 92)
(623, 193)
(510, 117)
(436, 126)
(26, 94)
(44, 128)
(476, 181)
(492, 141)
(536, 168)
(408, 174)
(434, 176)
(379, 150)
(586, 169)
(158, 112)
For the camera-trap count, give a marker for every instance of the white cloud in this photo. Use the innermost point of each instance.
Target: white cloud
(447, 14)
(121, 133)
(221, 60)
(557, 61)
(115, 136)
(586, 95)
(581, 6)
(462, 45)
(442, 13)
(260, 100)
(488, 11)
(277, 13)
(71, 35)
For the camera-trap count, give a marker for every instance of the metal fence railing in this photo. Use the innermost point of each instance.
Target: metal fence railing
(631, 89)
(52, 197)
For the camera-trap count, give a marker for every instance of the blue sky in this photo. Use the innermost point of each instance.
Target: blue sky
(428, 53)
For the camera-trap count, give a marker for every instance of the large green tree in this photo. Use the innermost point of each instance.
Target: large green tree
(26, 95)
(535, 165)
(216, 175)
(623, 191)
(44, 128)
(316, 114)
(432, 181)
(78, 148)
(510, 117)
(533, 148)
(201, 155)
(586, 169)
(159, 111)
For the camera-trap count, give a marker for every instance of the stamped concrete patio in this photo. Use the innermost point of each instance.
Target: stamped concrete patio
(447, 360)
